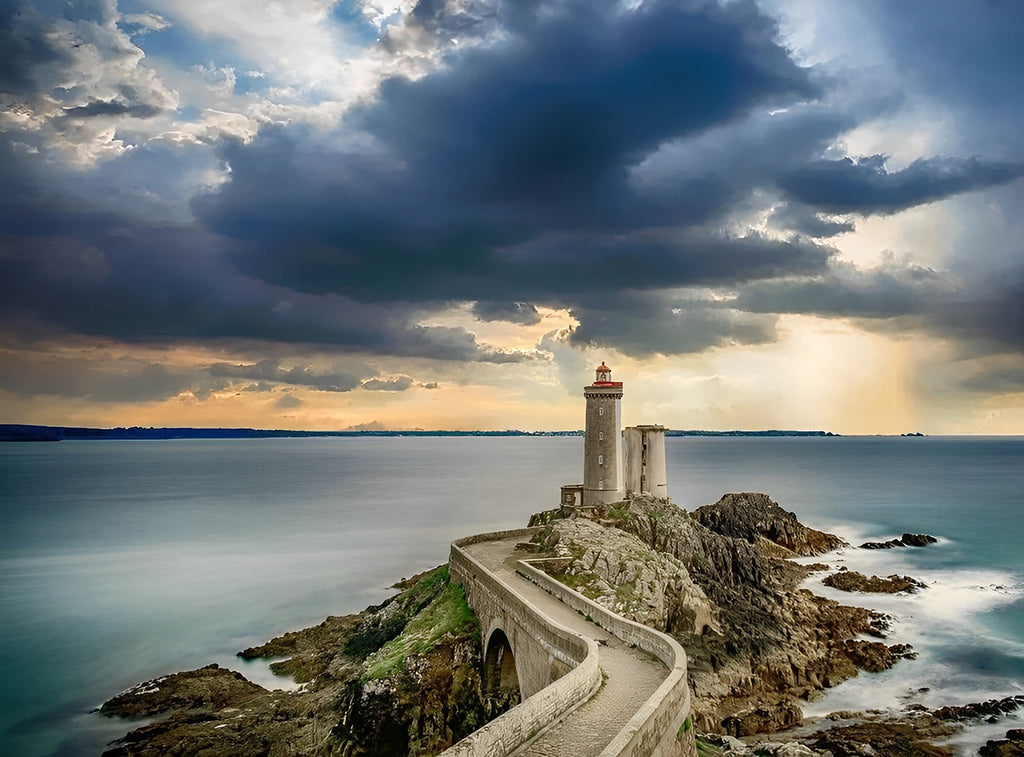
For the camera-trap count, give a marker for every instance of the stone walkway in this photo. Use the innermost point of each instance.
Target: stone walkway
(631, 675)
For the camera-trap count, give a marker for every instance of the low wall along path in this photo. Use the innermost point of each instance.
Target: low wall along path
(594, 684)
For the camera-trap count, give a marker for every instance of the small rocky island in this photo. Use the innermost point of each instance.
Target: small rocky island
(403, 677)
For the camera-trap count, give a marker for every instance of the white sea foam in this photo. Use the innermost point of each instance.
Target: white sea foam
(258, 671)
(942, 623)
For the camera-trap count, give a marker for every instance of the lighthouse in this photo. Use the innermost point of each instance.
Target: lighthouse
(602, 446)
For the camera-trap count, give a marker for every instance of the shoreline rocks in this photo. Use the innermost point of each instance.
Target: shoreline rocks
(718, 579)
(211, 687)
(756, 643)
(907, 540)
(402, 677)
(851, 580)
(750, 515)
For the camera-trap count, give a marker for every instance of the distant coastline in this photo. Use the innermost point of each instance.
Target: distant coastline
(16, 432)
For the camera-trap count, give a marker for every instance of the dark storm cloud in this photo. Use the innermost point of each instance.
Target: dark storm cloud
(572, 155)
(128, 103)
(895, 288)
(986, 317)
(512, 312)
(643, 323)
(272, 371)
(399, 384)
(121, 380)
(505, 147)
(865, 186)
(804, 220)
(24, 47)
(172, 284)
(517, 173)
(968, 55)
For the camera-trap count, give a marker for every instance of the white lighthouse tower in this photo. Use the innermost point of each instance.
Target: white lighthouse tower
(602, 446)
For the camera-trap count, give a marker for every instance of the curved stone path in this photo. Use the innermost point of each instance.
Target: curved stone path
(631, 675)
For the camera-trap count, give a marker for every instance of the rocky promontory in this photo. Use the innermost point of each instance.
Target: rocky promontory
(403, 677)
(398, 678)
(718, 580)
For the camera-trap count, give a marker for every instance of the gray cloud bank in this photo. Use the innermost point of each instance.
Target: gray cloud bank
(577, 155)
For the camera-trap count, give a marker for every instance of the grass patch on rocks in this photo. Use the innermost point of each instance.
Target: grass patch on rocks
(447, 615)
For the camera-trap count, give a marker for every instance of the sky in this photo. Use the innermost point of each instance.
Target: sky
(363, 214)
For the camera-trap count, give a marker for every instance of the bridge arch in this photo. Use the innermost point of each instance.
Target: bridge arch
(500, 675)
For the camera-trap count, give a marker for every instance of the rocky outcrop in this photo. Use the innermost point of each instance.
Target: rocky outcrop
(907, 540)
(751, 516)
(1011, 746)
(851, 580)
(881, 739)
(874, 656)
(992, 708)
(398, 678)
(212, 687)
(754, 641)
(764, 719)
(618, 570)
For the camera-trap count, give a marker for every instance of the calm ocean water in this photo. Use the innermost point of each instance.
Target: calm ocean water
(121, 561)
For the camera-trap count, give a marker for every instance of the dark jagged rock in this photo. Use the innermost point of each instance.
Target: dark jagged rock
(873, 656)
(210, 687)
(978, 710)
(883, 739)
(851, 580)
(918, 540)
(1002, 748)
(764, 719)
(749, 515)
(882, 544)
(907, 540)
(1011, 746)
(309, 651)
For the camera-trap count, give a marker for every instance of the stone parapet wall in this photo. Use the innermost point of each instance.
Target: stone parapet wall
(489, 596)
(662, 726)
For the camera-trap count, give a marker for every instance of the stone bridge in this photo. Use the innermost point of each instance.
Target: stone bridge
(592, 683)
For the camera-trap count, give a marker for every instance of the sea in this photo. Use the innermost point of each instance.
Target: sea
(121, 561)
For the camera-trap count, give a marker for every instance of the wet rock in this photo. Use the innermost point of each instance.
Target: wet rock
(873, 656)
(764, 719)
(1002, 748)
(851, 580)
(210, 687)
(752, 637)
(882, 544)
(749, 515)
(729, 746)
(907, 540)
(978, 710)
(918, 540)
(881, 739)
(368, 692)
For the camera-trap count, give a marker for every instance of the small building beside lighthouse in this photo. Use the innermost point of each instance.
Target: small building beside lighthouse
(644, 461)
(602, 445)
